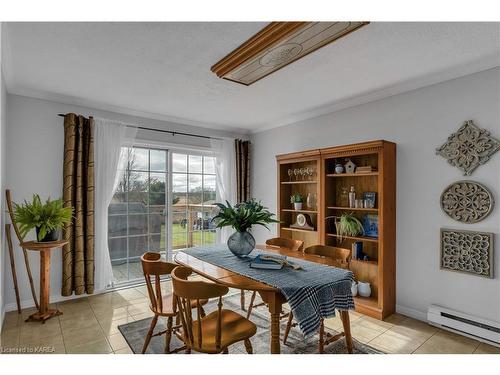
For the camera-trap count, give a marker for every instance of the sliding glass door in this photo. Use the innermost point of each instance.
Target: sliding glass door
(137, 213)
(154, 183)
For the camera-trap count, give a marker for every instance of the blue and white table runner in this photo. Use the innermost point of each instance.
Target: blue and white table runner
(312, 293)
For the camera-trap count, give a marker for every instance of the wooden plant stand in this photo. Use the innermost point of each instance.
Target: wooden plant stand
(44, 248)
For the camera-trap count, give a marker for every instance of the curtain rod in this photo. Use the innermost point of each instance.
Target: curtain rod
(167, 131)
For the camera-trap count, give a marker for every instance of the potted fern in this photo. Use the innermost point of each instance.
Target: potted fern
(46, 218)
(242, 217)
(348, 225)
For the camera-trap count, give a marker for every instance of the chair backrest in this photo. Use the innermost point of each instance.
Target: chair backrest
(186, 291)
(153, 268)
(339, 254)
(295, 245)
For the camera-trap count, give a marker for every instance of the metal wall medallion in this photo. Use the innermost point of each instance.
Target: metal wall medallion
(469, 147)
(467, 251)
(467, 201)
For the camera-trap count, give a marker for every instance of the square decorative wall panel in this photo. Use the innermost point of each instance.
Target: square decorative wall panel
(469, 147)
(467, 251)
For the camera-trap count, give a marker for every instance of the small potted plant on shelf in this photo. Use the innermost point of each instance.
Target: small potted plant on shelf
(348, 225)
(242, 217)
(47, 218)
(297, 201)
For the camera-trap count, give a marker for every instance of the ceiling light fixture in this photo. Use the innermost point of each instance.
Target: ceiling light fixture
(277, 45)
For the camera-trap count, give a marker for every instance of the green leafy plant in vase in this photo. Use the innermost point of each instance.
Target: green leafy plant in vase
(46, 218)
(242, 217)
(347, 225)
(297, 201)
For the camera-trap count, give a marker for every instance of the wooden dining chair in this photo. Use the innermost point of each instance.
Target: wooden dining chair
(341, 256)
(212, 333)
(342, 259)
(161, 305)
(288, 243)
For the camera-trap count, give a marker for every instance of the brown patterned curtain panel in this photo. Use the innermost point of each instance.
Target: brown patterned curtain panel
(78, 192)
(242, 170)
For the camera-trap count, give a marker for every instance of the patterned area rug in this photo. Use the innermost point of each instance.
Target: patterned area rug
(135, 334)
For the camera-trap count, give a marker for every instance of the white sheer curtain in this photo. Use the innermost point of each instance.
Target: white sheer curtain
(109, 137)
(225, 169)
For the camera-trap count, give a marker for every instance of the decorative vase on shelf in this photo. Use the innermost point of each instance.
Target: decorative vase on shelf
(354, 288)
(339, 168)
(297, 206)
(364, 289)
(309, 201)
(344, 197)
(241, 243)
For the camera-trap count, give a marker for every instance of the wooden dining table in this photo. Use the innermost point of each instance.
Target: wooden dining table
(270, 295)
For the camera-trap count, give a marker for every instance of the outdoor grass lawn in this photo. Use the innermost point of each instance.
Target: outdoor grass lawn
(179, 237)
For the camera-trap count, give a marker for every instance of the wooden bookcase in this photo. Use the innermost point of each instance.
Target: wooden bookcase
(326, 185)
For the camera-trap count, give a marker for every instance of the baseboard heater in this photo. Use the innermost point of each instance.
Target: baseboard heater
(477, 328)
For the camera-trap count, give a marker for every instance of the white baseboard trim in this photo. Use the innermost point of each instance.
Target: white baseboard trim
(27, 304)
(412, 313)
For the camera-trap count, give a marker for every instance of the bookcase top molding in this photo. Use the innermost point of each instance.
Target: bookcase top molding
(362, 147)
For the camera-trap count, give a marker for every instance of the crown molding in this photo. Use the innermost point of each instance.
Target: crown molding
(490, 62)
(70, 100)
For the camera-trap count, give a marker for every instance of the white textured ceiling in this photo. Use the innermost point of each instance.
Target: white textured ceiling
(162, 70)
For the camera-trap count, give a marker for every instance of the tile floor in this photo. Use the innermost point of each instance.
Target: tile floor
(89, 325)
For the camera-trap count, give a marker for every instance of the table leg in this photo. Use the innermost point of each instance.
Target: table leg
(344, 316)
(274, 302)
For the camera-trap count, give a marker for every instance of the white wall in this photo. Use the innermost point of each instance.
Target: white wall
(3, 259)
(35, 140)
(418, 121)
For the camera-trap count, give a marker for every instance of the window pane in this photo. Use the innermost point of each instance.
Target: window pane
(138, 159)
(156, 199)
(179, 163)
(117, 207)
(208, 189)
(138, 202)
(156, 223)
(158, 160)
(157, 182)
(196, 238)
(209, 164)
(179, 240)
(117, 250)
(195, 192)
(121, 188)
(195, 165)
(209, 237)
(179, 183)
(157, 242)
(117, 225)
(138, 181)
(208, 214)
(137, 224)
(136, 247)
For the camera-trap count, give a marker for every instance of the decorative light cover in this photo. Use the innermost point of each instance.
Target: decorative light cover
(277, 45)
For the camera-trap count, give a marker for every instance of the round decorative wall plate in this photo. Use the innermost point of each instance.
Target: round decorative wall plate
(467, 201)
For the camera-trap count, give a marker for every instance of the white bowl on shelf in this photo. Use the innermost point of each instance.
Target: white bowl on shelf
(364, 289)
